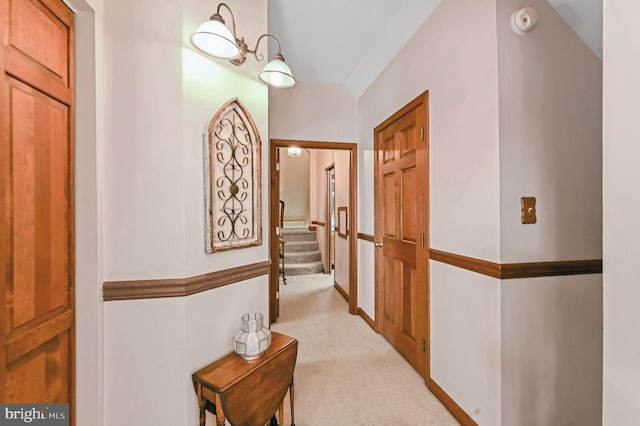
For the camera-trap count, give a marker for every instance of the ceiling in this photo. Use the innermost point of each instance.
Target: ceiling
(351, 42)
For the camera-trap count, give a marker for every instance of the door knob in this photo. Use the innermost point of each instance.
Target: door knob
(378, 245)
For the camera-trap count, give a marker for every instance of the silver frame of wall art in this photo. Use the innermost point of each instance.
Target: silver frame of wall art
(232, 170)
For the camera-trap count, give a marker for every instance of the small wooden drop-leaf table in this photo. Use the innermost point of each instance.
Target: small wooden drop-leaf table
(248, 393)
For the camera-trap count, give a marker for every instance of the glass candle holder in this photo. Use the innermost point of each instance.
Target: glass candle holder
(253, 339)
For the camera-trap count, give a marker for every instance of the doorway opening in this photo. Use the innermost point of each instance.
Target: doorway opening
(322, 215)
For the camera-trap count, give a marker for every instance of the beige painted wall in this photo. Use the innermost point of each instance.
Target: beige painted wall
(342, 160)
(154, 206)
(89, 198)
(552, 350)
(454, 56)
(320, 159)
(621, 212)
(294, 186)
(550, 85)
(315, 112)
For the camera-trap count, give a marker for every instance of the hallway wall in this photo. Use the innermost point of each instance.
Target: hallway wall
(342, 161)
(621, 212)
(159, 96)
(294, 187)
(319, 160)
(550, 92)
(89, 199)
(313, 112)
(319, 112)
(461, 75)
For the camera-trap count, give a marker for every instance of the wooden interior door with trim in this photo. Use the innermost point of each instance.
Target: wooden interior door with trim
(401, 228)
(36, 203)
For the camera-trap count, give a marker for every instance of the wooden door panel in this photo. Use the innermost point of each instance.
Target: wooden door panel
(389, 153)
(401, 170)
(40, 204)
(409, 138)
(36, 196)
(36, 375)
(409, 206)
(399, 250)
(40, 35)
(408, 303)
(392, 275)
(390, 193)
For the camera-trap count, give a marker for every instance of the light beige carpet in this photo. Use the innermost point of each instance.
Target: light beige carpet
(347, 374)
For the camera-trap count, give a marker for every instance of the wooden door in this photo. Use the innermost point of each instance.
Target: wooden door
(329, 218)
(36, 203)
(276, 225)
(401, 217)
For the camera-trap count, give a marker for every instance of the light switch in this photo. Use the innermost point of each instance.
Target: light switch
(528, 206)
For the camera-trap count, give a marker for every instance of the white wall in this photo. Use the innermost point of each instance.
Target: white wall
(621, 211)
(294, 186)
(465, 348)
(319, 159)
(160, 95)
(313, 112)
(552, 350)
(550, 139)
(464, 169)
(454, 56)
(144, 184)
(342, 161)
(89, 194)
(550, 85)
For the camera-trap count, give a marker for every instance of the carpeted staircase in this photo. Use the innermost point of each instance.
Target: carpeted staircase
(301, 254)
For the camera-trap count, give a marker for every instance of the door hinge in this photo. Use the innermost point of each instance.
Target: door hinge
(277, 167)
(278, 297)
(421, 133)
(277, 230)
(422, 239)
(424, 346)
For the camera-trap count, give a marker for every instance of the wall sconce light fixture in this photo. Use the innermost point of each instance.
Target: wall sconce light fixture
(215, 39)
(294, 151)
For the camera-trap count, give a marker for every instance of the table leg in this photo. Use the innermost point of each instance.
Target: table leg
(293, 423)
(219, 414)
(201, 405)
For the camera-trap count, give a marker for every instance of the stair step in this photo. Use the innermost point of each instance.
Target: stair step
(300, 246)
(301, 257)
(303, 268)
(291, 235)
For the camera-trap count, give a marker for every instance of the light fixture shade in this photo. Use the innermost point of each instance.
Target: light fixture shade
(277, 74)
(294, 151)
(215, 39)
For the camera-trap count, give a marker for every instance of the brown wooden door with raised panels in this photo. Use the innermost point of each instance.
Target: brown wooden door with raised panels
(36, 203)
(401, 201)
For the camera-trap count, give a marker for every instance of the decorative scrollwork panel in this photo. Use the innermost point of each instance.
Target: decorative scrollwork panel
(232, 180)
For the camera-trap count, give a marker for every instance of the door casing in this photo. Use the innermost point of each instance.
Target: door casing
(274, 197)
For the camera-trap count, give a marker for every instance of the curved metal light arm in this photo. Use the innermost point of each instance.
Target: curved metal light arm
(233, 19)
(259, 56)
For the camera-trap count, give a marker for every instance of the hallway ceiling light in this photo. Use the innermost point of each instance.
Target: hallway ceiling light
(294, 151)
(214, 38)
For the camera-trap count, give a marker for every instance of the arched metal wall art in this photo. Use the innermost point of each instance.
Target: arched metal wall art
(232, 179)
